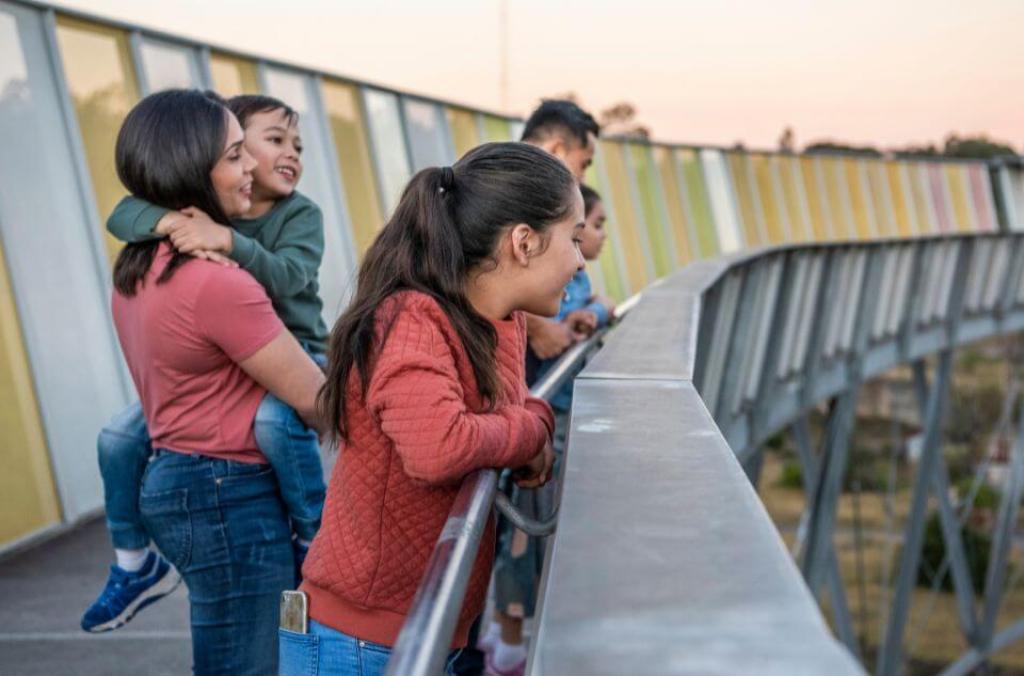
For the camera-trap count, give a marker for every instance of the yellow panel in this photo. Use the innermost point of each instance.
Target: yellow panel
(345, 116)
(918, 181)
(625, 214)
(835, 180)
(885, 220)
(745, 197)
(900, 200)
(465, 135)
(769, 205)
(858, 202)
(788, 168)
(496, 129)
(27, 494)
(233, 76)
(956, 179)
(815, 200)
(97, 63)
(681, 227)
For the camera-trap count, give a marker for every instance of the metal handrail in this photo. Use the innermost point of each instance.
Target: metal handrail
(424, 642)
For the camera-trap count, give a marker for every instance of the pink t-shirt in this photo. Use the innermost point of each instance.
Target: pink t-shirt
(182, 340)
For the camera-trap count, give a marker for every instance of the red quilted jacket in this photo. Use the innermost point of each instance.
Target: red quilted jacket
(421, 428)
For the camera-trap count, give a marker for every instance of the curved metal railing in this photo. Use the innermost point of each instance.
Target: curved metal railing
(423, 644)
(665, 560)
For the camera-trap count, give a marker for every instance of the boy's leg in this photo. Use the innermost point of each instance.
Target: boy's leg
(124, 449)
(293, 450)
(140, 577)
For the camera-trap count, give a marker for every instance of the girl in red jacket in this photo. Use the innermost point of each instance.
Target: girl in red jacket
(426, 384)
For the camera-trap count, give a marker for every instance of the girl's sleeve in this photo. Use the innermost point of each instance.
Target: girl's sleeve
(417, 396)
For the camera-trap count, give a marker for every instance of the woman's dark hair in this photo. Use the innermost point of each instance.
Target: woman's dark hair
(447, 223)
(166, 149)
(247, 105)
(590, 198)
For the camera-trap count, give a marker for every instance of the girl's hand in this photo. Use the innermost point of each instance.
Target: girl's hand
(199, 232)
(582, 323)
(609, 305)
(214, 257)
(538, 470)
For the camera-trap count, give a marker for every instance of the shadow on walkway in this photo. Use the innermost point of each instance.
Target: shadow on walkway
(45, 590)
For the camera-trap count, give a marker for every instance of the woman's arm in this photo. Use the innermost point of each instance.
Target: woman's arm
(288, 373)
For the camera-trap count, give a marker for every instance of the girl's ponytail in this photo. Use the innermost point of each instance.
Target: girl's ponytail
(448, 222)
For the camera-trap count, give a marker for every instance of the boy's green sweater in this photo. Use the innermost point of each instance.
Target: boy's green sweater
(282, 249)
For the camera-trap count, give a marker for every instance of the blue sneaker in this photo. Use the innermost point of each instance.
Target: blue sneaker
(128, 593)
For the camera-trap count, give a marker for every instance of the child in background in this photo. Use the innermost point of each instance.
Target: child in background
(280, 242)
(520, 557)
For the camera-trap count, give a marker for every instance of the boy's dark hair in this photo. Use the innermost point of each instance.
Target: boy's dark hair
(559, 116)
(165, 151)
(247, 105)
(448, 221)
(590, 198)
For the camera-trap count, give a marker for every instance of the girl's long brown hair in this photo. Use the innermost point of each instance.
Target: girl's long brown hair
(448, 222)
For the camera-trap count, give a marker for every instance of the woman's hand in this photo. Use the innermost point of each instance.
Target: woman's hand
(199, 232)
(215, 257)
(537, 472)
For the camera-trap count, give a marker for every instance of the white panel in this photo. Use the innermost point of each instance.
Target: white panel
(168, 66)
(427, 130)
(388, 142)
(722, 204)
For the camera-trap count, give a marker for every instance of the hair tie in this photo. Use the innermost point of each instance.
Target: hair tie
(447, 179)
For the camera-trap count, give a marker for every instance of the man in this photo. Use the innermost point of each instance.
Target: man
(569, 133)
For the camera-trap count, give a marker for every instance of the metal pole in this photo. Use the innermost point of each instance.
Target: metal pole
(890, 655)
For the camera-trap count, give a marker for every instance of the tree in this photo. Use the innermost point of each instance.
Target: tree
(839, 148)
(620, 120)
(787, 140)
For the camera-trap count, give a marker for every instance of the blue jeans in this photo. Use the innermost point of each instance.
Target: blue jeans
(291, 448)
(221, 523)
(328, 652)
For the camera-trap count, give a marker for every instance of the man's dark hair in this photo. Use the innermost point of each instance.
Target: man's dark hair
(558, 116)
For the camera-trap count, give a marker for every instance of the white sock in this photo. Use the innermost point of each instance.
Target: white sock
(507, 656)
(131, 560)
(490, 637)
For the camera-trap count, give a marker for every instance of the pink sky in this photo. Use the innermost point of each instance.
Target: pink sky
(881, 72)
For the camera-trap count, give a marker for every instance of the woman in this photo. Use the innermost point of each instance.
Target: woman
(204, 345)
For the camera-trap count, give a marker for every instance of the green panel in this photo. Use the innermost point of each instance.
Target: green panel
(495, 129)
(657, 229)
(680, 222)
(611, 272)
(696, 198)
